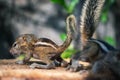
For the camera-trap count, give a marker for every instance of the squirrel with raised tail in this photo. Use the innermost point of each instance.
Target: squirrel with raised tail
(91, 49)
(104, 58)
(43, 48)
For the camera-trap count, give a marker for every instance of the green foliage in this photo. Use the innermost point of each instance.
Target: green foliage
(104, 15)
(110, 40)
(68, 7)
(71, 6)
(60, 2)
(21, 57)
(63, 36)
(69, 52)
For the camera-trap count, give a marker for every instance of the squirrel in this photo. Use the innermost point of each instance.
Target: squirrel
(43, 48)
(91, 49)
(107, 68)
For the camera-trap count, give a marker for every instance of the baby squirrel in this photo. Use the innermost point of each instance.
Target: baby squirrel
(91, 49)
(107, 68)
(43, 48)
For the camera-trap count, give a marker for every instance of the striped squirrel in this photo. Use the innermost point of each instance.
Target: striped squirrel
(43, 48)
(91, 49)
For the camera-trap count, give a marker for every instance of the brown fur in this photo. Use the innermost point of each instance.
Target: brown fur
(106, 69)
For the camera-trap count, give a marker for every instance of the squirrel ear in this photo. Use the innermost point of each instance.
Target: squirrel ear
(24, 38)
(28, 38)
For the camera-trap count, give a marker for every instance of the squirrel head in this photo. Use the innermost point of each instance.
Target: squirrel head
(23, 43)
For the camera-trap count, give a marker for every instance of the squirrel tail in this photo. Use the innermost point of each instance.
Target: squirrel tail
(70, 27)
(89, 18)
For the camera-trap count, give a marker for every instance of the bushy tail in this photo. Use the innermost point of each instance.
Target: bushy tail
(89, 18)
(71, 25)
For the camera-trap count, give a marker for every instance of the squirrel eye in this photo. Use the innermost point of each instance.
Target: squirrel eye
(15, 45)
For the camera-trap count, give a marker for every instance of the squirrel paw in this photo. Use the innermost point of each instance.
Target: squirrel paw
(20, 62)
(83, 71)
(34, 65)
(41, 66)
(74, 67)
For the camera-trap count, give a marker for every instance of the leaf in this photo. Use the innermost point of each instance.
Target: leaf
(106, 8)
(60, 2)
(69, 52)
(72, 5)
(104, 17)
(21, 57)
(110, 40)
(63, 36)
(112, 1)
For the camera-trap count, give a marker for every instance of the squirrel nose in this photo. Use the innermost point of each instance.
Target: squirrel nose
(12, 51)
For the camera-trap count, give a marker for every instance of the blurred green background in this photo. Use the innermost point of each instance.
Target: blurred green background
(46, 18)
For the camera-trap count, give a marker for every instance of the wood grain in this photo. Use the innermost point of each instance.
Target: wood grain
(11, 71)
